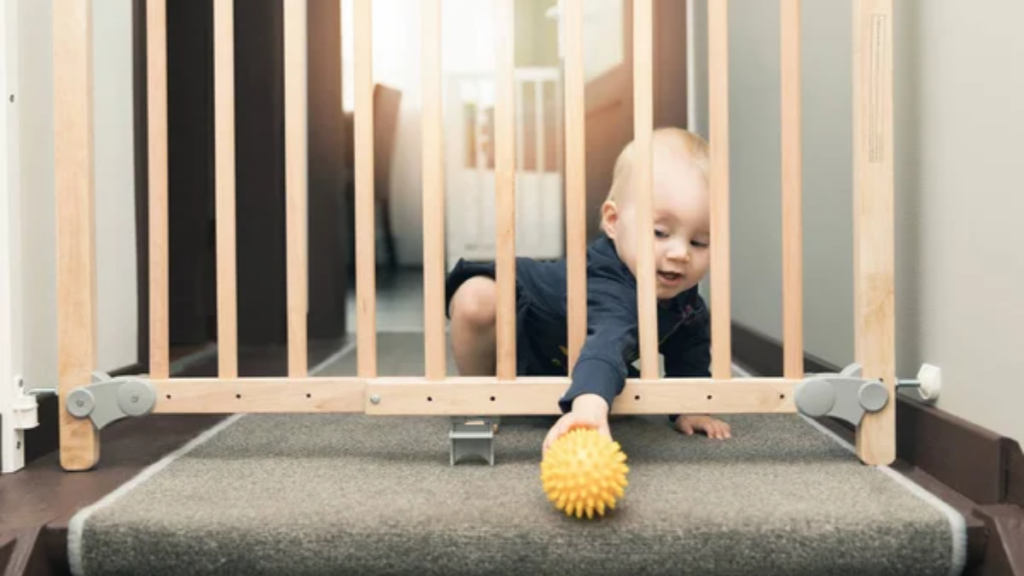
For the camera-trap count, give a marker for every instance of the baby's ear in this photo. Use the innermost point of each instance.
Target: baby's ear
(609, 217)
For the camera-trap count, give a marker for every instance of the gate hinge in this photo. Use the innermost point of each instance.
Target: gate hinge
(108, 400)
(848, 396)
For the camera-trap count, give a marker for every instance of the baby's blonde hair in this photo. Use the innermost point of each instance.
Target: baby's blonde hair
(679, 144)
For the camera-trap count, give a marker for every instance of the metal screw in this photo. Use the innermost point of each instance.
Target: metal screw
(19, 445)
(375, 399)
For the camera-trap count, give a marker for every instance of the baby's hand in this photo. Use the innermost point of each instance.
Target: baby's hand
(713, 427)
(588, 411)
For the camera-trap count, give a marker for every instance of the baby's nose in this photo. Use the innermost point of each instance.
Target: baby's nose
(678, 251)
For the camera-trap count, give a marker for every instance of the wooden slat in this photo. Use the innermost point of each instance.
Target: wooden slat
(296, 190)
(873, 219)
(792, 193)
(643, 118)
(224, 107)
(366, 254)
(258, 395)
(539, 396)
(156, 126)
(718, 107)
(76, 241)
(575, 180)
(434, 317)
(505, 188)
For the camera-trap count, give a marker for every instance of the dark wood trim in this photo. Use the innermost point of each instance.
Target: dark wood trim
(763, 355)
(1005, 549)
(141, 156)
(1015, 478)
(974, 470)
(926, 437)
(45, 437)
(29, 555)
(7, 544)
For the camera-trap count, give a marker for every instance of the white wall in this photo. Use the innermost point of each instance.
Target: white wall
(960, 105)
(114, 188)
(959, 116)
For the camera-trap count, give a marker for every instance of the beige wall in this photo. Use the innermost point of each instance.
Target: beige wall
(959, 117)
(114, 185)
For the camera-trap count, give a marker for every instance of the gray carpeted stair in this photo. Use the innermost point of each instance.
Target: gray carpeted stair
(352, 494)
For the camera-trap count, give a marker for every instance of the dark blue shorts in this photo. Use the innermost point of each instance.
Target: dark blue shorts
(541, 331)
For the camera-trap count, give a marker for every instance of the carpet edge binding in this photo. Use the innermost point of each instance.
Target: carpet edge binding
(957, 523)
(76, 526)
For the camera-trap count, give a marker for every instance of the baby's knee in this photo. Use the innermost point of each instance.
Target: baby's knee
(474, 302)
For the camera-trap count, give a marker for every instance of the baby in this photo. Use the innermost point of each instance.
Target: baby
(681, 209)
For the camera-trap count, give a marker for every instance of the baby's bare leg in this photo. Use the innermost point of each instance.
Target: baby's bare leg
(472, 312)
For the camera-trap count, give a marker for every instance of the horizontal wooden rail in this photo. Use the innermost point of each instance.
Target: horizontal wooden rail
(539, 396)
(258, 394)
(460, 395)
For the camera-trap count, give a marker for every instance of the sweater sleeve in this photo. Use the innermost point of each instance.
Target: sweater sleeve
(602, 366)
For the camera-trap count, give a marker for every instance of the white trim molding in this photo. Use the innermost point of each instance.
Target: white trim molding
(18, 409)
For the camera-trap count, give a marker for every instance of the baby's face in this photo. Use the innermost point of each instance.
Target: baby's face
(681, 230)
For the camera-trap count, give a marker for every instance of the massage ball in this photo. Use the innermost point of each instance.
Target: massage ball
(584, 473)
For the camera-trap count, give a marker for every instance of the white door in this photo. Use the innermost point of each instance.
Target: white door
(470, 177)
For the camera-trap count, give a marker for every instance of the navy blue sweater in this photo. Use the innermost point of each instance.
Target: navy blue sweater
(611, 345)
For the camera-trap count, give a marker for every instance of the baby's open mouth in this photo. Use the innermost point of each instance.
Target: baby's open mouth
(670, 277)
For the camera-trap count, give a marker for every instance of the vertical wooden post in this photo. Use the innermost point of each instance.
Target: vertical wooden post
(643, 182)
(792, 193)
(575, 181)
(156, 109)
(297, 176)
(874, 258)
(366, 254)
(76, 239)
(434, 315)
(718, 106)
(224, 106)
(505, 188)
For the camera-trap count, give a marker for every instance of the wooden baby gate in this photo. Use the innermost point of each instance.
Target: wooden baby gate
(87, 405)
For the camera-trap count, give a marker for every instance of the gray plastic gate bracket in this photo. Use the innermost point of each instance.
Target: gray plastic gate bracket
(840, 396)
(471, 437)
(108, 399)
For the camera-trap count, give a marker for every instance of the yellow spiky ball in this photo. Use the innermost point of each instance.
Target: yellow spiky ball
(584, 473)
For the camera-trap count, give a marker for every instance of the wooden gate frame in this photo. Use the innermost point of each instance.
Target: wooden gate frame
(436, 393)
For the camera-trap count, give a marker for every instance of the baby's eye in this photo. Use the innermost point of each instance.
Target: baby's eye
(700, 244)
(660, 233)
